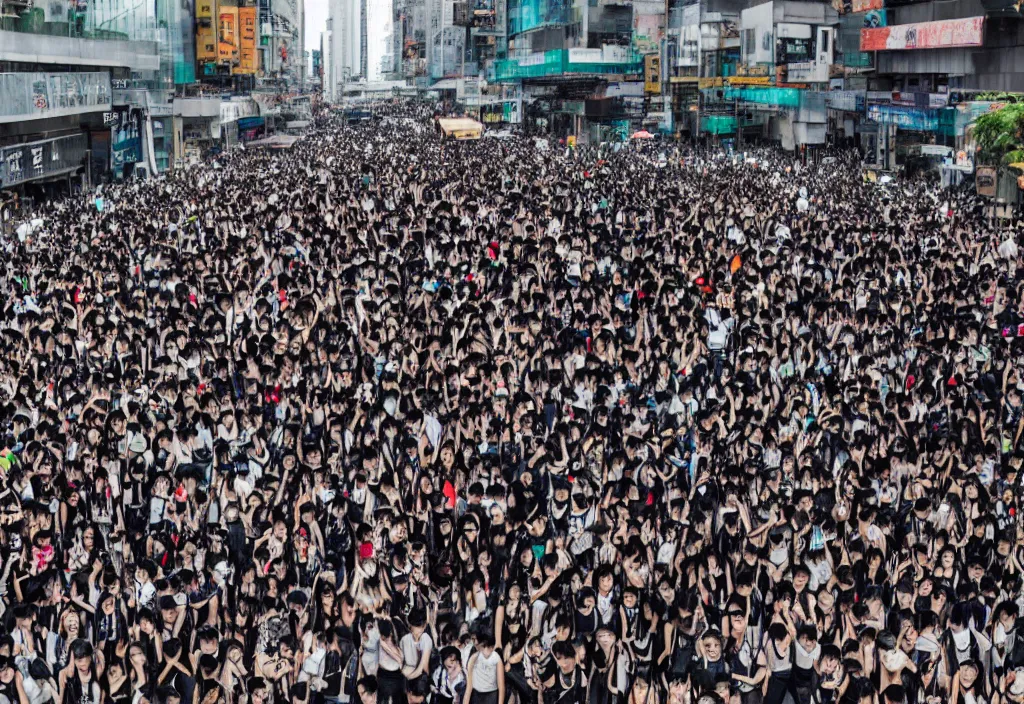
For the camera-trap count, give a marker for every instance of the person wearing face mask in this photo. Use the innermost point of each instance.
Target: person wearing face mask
(1008, 647)
(962, 642)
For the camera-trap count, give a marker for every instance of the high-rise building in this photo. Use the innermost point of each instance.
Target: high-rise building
(327, 85)
(347, 56)
(579, 64)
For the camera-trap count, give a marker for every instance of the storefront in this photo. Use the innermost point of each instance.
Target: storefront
(47, 166)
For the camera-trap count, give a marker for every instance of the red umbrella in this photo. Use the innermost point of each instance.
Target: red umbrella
(642, 134)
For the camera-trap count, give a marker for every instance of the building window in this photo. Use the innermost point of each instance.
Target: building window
(749, 39)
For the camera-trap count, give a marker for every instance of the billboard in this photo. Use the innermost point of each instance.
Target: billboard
(247, 56)
(204, 9)
(227, 47)
(652, 74)
(924, 35)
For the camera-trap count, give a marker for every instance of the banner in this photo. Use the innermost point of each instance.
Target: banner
(126, 141)
(227, 47)
(206, 44)
(247, 57)
(865, 5)
(924, 35)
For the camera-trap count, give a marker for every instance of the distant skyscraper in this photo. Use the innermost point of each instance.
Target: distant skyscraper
(345, 58)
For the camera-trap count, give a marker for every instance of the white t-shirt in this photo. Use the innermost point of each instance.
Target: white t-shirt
(485, 672)
(413, 649)
(804, 659)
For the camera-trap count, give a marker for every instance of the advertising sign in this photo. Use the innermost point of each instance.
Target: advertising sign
(26, 162)
(865, 5)
(247, 57)
(985, 181)
(204, 10)
(652, 74)
(924, 35)
(922, 120)
(227, 47)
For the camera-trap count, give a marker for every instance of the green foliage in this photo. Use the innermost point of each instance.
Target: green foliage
(999, 97)
(1000, 134)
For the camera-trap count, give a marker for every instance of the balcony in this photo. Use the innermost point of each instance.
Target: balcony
(570, 62)
(37, 96)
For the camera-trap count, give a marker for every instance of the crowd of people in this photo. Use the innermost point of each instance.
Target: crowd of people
(388, 419)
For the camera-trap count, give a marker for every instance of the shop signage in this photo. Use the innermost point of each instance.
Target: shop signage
(35, 160)
(749, 81)
(924, 35)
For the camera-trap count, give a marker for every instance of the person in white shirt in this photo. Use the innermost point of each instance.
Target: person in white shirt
(416, 646)
(485, 683)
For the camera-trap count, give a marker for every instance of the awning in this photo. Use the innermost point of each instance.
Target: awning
(461, 128)
(296, 124)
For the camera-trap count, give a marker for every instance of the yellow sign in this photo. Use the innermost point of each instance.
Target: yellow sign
(710, 83)
(754, 70)
(652, 74)
(206, 44)
(749, 80)
(227, 47)
(684, 79)
(248, 59)
(204, 10)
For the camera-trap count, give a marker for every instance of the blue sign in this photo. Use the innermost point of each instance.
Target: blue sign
(919, 119)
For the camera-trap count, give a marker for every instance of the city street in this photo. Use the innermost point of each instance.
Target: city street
(391, 415)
